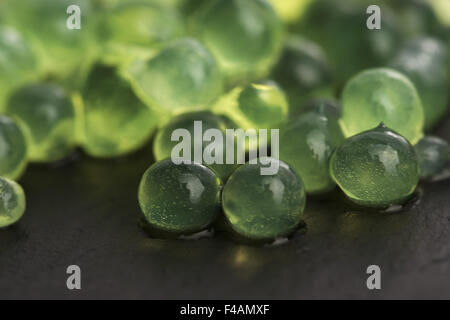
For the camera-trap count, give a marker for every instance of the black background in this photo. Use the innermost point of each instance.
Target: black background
(85, 212)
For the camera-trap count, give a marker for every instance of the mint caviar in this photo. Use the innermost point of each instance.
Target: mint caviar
(114, 121)
(181, 198)
(167, 82)
(264, 206)
(47, 116)
(423, 60)
(12, 202)
(433, 154)
(244, 52)
(13, 149)
(376, 168)
(164, 145)
(316, 137)
(382, 95)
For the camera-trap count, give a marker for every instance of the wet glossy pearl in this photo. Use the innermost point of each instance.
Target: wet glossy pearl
(182, 198)
(376, 168)
(264, 206)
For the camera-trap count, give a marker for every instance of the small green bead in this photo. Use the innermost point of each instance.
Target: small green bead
(60, 50)
(255, 106)
(307, 143)
(114, 120)
(434, 156)
(182, 198)
(376, 168)
(244, 36)
(135, 30)
(13, 149)
(12, 202)
(46, 114)
(339, 27)
(382, 95)
(182, 76)
(163, 146)
(17, 60)
(303, 72)
(423, 60)
(264, 207)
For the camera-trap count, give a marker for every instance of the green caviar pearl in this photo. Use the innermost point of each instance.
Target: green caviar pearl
(434, 156)
(179, 198)
(327, 21)
(303, 72)
(255, 106)
(264, 207)
(60, 49)
(307, 143)
(13, 149)
(163, 146)
(376, 168)
(114, 120)
(12, 202)
(423, 60)
(17, 61)
(382, 95)
(135, 30)
(245, 36)
(47, 116)
(182, 76)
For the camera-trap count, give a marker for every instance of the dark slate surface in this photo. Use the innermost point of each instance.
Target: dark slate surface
(85, 212)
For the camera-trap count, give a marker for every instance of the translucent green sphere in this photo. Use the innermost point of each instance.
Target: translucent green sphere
(47, 117)
(376, 168)
(245, 36)
(60, 49)
(163, 145)
(136, 29)
(423, 60)
(433, 154)
(304, 72)
(114, 120)
(264, 207)
(13, 149)
(12, 202)
(255, 106)
(182, 198)
(339, 28)
(307, 143)
(382, 95)
(182, 76)
(17, 60)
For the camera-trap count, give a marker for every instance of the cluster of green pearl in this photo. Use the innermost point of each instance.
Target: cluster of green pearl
(189, 197)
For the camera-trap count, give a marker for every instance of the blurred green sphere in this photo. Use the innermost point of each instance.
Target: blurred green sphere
(182, 76)
(13, 149)
(163, 145)
(114, 121)
(46, 115)
(244, 36)
(424, 62)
